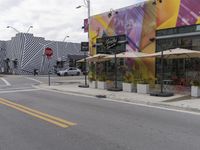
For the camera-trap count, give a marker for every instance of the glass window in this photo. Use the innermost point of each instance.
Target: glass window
(177, 69)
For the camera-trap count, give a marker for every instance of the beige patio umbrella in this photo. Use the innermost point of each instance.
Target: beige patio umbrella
(175, 54)
(130, 55)
(81, 60)
(95, 58)
(127, 55)
(172, 54)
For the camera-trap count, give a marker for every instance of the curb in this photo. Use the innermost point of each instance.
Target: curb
(158, 104)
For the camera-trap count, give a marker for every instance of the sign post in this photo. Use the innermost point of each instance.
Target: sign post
(85, 49)
(48, 53)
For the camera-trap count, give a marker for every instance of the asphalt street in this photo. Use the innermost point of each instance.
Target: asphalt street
(35, 119)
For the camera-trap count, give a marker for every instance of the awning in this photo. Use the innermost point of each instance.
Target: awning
(81, 60)
(95, 58)
(175, 54)
(127, 55)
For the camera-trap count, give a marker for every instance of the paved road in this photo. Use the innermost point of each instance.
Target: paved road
(89, 123)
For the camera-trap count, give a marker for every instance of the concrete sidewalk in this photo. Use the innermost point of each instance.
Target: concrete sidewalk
(178, 101)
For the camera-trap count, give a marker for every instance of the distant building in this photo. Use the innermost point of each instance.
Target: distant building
(24, 53)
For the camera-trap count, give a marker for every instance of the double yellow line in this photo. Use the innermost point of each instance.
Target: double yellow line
(46, 117)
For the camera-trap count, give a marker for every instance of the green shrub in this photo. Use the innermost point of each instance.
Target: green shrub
(195, 83)
(128, 78)
(101, 77)
(92, 73)
(143, 81)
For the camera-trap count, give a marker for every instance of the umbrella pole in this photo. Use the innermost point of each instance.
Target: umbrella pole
(162, 72)
(162, 93)
(85, 69)
(85, 85)
(115, 71)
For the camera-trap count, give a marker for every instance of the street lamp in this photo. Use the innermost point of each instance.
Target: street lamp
(87, 5)
(67, 36)
(59, 59)
(13, 29)
(18, 30)
(29, 29)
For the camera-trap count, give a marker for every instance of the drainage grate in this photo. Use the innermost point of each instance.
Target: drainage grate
(101, 96)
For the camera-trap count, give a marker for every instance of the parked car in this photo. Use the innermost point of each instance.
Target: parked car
(70, 71)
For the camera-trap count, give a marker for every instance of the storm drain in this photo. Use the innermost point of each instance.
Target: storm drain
(101, 96)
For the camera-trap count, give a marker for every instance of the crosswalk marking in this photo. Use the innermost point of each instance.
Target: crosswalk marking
(6, 82)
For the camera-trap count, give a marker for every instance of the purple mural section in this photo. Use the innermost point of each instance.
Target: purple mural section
(189, 12)
(129, 22)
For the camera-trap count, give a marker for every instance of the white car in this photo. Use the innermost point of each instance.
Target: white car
(70, 71)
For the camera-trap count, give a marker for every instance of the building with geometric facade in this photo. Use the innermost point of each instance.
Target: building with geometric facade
(24, 53)
(149, 27)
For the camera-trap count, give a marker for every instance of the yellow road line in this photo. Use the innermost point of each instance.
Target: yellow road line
(55, 120)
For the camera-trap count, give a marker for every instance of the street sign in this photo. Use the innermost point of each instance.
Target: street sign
(111, 44)
(84, 46)
(48, 52)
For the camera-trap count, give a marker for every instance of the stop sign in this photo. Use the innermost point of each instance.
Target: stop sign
(48, 52)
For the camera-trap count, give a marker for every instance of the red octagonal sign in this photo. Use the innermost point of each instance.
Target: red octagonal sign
(48, 52)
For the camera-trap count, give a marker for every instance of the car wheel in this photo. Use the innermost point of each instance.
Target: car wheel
(58, 74)
(78, 73)
(65, 74)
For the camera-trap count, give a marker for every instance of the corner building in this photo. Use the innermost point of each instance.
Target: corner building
(150, 27)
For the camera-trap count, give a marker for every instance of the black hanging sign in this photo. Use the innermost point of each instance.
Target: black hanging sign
(84, 46)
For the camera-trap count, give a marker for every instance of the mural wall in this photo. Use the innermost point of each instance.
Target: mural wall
(139, 22)
(178, 13)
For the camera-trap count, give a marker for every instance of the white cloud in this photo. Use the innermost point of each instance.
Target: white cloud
(52, 19)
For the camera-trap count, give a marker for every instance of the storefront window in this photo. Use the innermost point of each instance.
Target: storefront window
(177, 69)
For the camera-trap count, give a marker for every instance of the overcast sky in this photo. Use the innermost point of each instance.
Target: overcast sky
(52, 19)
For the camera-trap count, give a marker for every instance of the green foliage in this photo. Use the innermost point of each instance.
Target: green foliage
(143, 81)
(195, 83)
(131, 77)
(101, 77)
(92, 74)
(128, 78)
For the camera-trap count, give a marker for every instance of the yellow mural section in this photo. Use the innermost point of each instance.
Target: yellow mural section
(147, 66)
(198, 21)
(167, 13)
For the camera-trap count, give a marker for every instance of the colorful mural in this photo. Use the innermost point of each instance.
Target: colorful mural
(177, 13)
(189, 12)
(127, 21)
(139, 23)
(167, 13)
